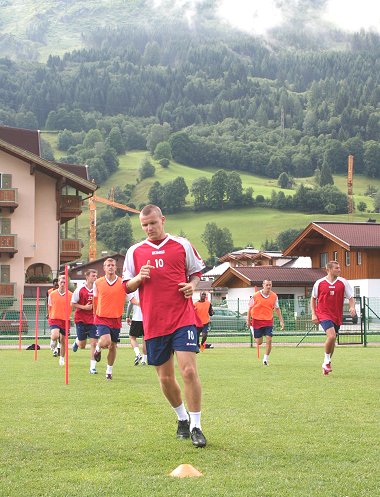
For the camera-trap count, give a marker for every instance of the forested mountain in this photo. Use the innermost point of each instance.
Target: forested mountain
(219, 97)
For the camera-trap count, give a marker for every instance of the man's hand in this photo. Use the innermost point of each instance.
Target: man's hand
(314, 319)
(186, 289)
(145, 271)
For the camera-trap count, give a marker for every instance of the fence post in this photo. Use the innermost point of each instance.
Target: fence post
(364, 320)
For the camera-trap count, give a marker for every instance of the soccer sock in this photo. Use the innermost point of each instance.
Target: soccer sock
(181, 412)
(195, 420)
(92, 364)
(109, 369)
(265, 358)
(327, 358)
(53, 344)
(145, 358)
(137, 351)
(97, 348)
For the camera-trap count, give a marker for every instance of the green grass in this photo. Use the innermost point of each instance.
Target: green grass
(279, 431)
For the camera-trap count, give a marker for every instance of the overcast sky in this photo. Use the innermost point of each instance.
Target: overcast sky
(259, 15)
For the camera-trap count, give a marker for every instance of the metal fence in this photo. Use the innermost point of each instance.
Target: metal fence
(228, 325)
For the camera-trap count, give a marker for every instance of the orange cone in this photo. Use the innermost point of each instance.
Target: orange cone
(185, 470)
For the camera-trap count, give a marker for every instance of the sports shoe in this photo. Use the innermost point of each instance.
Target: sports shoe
(202, 347)
(61, 361)
(183, 429)
(75, 346)
(53, 345)
(138, 358)
(198, 438)
(326, 368)
(143, 363)
(97, 355)
(265, 362)
(93, 371)
(56, 352)
(108, 376)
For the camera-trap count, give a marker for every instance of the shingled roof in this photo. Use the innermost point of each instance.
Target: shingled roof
(280, 276)
(350, 236)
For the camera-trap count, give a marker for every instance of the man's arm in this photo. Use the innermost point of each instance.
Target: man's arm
(210, 310)
(351, 301)
(313, 306)
(134, 283)
(279, 315)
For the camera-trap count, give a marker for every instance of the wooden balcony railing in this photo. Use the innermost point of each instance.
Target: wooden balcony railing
(71, 207)
(7, 289)
(9, 198)
(71, 249)
(8, 244)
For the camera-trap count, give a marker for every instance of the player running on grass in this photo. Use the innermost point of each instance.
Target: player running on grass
(82, 301)
(327, 307)
(167, 269)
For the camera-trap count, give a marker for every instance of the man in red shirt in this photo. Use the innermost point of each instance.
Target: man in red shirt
(260, 317)
(166, 270)
(326, 304)
(82, 301)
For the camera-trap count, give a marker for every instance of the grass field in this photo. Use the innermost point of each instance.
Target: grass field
(279, 431)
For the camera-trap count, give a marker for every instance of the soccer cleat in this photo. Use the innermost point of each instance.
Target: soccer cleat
(202, 347)
(138, 358)
(326, 368)
(143, 363)
(93, 371)
(265, 362)
(198, 438)
(75, 346)
(183, 429)
(56, 352)
(61, 361)
(108, 376)
(97, 355)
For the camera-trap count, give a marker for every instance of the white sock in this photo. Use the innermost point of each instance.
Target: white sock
(265, 358)
(145, 358)
(137, 351)
(97, 348)
(92, 364)
(327, 358)
(109, 369)
(181, 412)
(195, 420)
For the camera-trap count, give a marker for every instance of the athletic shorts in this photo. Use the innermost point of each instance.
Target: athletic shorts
(136, 330)
(327, 323)
(85, 331)
(264, 331)
(62, 331)
(160, 349)
(102, 329)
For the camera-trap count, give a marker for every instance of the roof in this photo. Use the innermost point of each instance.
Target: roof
(49, 168)
(26, 139)
(280, 276)
(348, 235)
(73, 271)
(250, 254)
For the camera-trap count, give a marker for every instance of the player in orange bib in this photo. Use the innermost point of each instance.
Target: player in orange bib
(59, 311)
(109, 301)
(260, 317)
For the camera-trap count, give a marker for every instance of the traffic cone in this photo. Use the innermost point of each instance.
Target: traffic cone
(185, 470)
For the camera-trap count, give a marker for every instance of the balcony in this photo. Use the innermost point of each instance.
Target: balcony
(8, 244)
(9, 198)
(70, 208)
(7, 289)
(70, 250)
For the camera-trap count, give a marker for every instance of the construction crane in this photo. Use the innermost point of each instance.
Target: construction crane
(92, 206)
(350, 175)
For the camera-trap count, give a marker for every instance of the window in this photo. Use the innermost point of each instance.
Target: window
(359, 258)
(5, 226)
(356, 291)
(5, 180)
(5, 273)
(348, 258)
(324, 259)
(335, 256)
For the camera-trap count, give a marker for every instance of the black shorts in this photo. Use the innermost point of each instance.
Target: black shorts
(136, 330)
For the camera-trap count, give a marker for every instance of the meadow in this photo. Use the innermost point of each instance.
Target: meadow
(278, 431)
(248, 226)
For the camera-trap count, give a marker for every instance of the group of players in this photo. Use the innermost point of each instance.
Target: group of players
(165, 270)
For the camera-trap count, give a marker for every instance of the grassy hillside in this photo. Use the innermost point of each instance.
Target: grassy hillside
(248, 226)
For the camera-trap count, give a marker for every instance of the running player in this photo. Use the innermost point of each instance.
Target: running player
(136, 329)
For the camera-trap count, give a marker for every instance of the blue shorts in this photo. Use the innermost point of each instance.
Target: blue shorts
(102, 329)
(327, 323)
(85, 331)
(264, 331)
(160, 349)
(62, 331)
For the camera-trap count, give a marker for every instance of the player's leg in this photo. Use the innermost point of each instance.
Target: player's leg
(104, 341)
(144, 357)
(92, 333)
(134, 333)
(81, 338)
(54, 337)
(62, 334)
(112, 348)
(268, 343)
(330, 331)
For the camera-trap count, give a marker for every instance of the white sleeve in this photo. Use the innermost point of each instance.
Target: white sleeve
(348, 290)
(314, 292)
(194, 262)
(95, 290)
(75, 297)
(129, 270)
